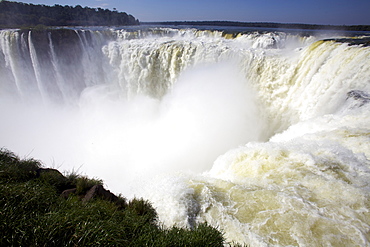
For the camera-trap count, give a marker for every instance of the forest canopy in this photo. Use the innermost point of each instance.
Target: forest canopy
(264, 25)
(16, 14)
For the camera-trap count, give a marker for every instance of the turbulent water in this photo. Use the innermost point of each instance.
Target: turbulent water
(264, 134)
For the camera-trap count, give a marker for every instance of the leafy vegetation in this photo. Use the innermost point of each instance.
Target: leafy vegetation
(17, 14)
(34, 214)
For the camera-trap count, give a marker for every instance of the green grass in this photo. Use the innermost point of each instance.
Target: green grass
(34, 214)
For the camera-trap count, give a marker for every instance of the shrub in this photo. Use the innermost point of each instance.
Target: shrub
(12, 169)
(21, 205)
(53, 178)
(33, 213)
(142, 208)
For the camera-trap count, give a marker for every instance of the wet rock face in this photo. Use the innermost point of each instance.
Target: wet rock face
(353, 41)
(50, 62)
(358, 98)
(66, 193)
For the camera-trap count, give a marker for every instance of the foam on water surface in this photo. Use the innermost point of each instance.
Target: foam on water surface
(253, 132)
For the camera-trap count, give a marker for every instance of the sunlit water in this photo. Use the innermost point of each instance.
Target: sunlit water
(255, 132)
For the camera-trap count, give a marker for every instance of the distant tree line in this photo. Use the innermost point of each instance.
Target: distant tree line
(16, 14)
(267, 25)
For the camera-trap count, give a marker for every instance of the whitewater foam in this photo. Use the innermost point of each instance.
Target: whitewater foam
(252, 132)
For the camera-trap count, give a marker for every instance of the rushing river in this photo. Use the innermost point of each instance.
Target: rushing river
(262, 133)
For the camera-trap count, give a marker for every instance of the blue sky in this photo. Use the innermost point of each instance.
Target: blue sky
(335, 12)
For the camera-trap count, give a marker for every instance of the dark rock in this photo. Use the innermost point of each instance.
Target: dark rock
(66, 193)
(41, 171)
(54, 178)
(193, 209)
(98, 191)
(359, 98)
(352, 41)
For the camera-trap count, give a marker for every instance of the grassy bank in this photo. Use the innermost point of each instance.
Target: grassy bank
(33, 213)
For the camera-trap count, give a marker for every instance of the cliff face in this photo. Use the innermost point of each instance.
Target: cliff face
(56, 64)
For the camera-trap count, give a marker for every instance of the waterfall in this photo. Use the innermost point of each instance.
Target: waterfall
(264, 134)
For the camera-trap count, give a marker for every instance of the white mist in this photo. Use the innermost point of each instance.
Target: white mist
(306, 186)
(128, 141)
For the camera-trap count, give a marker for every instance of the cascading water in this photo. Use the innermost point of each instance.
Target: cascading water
(263, 134)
